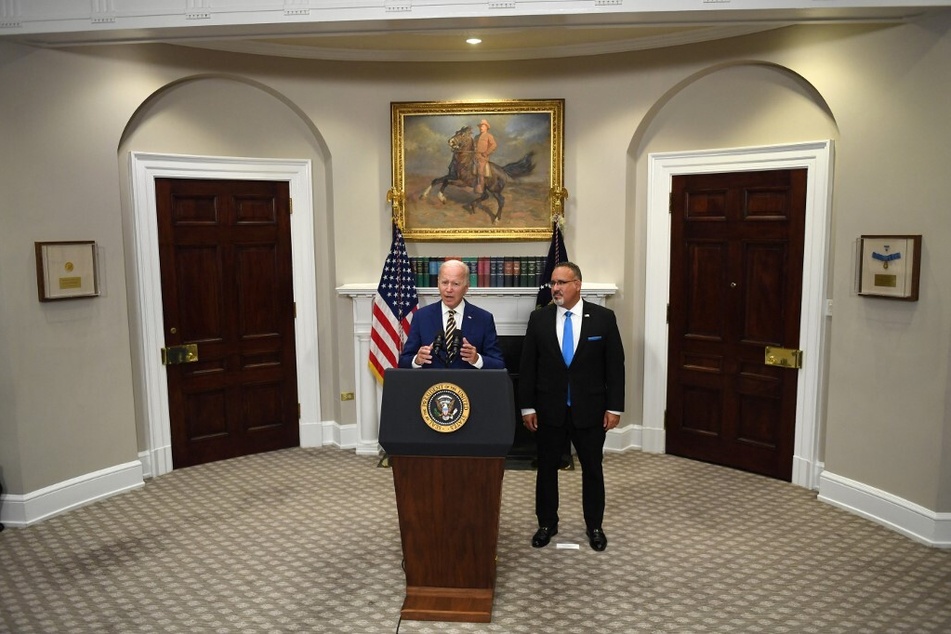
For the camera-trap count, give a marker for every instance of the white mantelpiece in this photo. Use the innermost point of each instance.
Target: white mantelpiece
(510, 307)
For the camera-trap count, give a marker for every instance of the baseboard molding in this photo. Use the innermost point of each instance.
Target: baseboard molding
(624, 438)
(312, 434)
(24, 510)
(347, 436)
(806, 473)
(653, 439)
(145, 458)
(891, 511)
(335, 435)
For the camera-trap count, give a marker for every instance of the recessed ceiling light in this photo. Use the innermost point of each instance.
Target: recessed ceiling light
(473, 40)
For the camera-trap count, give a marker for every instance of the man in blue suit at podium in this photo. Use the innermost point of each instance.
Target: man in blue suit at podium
(452, 333)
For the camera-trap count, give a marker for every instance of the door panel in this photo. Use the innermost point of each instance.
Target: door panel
(227, 287)
(705, 309)
(735, 288)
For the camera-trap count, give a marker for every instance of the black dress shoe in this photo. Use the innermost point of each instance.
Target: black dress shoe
(543, 535)
(597, 539)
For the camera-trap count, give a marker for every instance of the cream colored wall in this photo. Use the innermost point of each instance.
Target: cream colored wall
(885, 87)
(67, 405)
(889, 378)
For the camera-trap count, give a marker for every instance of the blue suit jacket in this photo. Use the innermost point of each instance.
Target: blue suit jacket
(478, 327)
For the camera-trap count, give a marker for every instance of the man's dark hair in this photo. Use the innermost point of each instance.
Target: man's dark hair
(571, 265)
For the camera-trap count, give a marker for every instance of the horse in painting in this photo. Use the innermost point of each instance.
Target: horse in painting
(462, 172)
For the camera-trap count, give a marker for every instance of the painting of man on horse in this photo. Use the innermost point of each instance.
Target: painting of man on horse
(476, 190)
(470, 167)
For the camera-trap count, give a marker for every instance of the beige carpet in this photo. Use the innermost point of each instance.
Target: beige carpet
(307, 540)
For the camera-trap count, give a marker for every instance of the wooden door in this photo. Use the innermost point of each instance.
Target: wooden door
(225, 253)
(735, 288)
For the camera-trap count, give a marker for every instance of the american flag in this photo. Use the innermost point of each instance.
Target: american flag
(395, 304)
(556, 253)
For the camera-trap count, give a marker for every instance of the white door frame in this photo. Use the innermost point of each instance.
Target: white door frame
(148, 326)
(817, 158)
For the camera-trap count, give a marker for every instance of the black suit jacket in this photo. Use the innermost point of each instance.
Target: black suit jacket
(596, 373)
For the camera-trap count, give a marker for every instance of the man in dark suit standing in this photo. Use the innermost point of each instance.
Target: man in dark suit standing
(452, 333)
(571, 387)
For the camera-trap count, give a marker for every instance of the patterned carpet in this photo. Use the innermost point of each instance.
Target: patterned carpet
(307, 540)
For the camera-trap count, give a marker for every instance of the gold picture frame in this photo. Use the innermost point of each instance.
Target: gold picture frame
(436, 167)
(890, 266)
(66, 270)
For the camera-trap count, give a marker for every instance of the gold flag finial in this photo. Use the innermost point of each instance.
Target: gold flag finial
(558, 196)
(395, 197)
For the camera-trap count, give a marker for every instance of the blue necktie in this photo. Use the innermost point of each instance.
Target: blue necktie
(568, 345)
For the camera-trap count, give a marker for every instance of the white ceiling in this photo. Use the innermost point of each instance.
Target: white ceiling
(425, 30)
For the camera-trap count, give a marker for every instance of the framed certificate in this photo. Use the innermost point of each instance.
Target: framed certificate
(889, 266)
(66, 270)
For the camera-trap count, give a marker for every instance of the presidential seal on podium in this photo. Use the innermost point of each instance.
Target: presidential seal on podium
(445, 407)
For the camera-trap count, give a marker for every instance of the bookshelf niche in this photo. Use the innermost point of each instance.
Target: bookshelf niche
(497, 271)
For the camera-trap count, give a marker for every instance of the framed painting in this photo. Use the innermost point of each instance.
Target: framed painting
(889, 266)
(66, 270)
(477, 170)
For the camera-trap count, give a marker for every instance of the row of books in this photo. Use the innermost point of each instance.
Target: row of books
(487, 272)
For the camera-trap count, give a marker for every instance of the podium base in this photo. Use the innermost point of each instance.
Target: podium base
(459, 605)
(449, 526)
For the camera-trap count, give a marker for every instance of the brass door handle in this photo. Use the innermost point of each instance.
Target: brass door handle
(173, 355)
(783, 357)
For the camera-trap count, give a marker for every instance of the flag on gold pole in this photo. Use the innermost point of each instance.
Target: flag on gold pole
(394, 305)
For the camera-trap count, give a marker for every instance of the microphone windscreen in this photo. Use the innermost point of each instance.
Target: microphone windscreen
(438, 343)
(456, 343)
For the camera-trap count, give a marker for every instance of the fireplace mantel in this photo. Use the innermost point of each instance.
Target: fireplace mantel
(510, 306)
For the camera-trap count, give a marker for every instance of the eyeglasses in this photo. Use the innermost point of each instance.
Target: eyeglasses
(557, 283)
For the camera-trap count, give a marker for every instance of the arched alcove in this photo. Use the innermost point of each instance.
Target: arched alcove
(730, 117)
(222, 127)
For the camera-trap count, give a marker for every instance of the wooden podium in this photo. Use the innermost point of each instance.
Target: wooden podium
(447, 433)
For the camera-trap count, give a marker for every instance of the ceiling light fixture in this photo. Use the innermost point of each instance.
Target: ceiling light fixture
(473, 40)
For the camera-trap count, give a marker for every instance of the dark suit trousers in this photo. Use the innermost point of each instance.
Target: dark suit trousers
(589, 444)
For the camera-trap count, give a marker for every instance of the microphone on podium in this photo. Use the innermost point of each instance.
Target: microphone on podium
(455, 345)
(438, 343)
